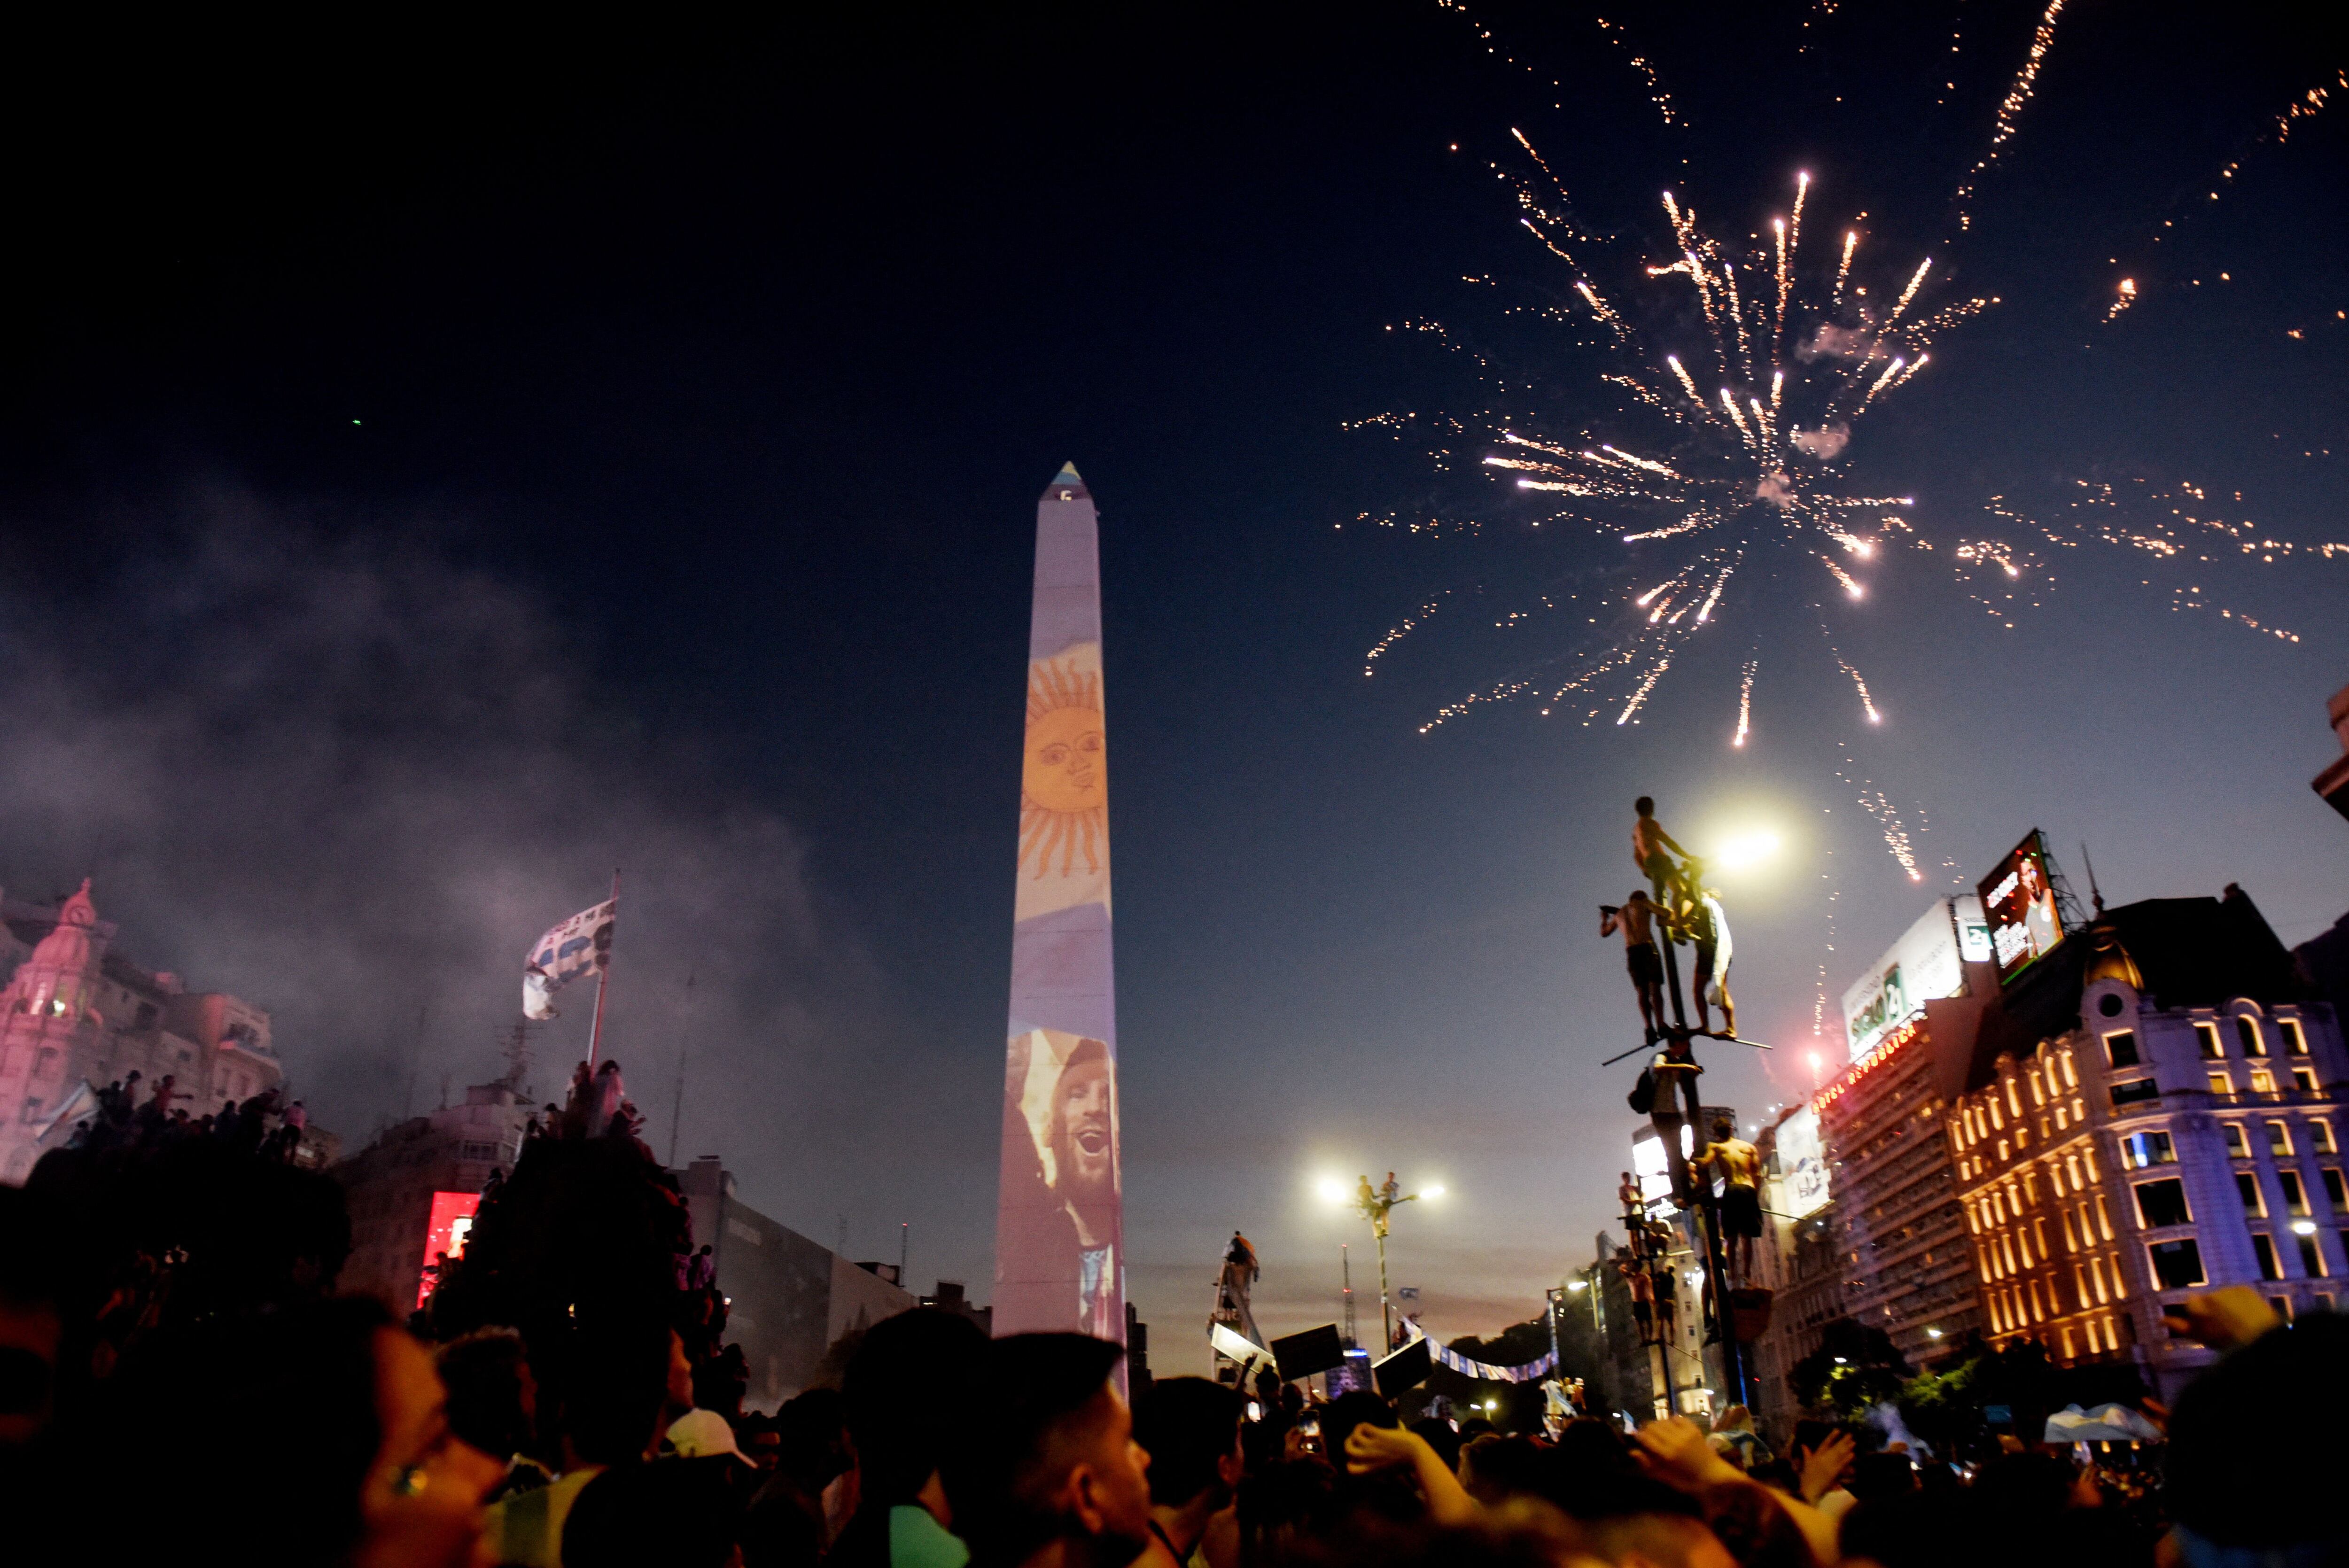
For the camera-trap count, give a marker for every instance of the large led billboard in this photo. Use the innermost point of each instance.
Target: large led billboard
(2019, 900)
(1927, 961)
(1802, 1165)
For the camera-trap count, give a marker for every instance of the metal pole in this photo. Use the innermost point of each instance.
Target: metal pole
(1386, 1321)
(604, 976)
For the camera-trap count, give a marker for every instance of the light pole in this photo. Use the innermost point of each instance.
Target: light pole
(1375, 1205)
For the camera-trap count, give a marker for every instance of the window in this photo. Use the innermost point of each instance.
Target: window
(2070, 1077)
(2208, 1036)
(2136, 1093)
(2221, 1083)
(2238, 1146)
(2067, 1345)
(2294, 1199)
(2320, 1137)
(2295, 1039)
(2104, 1218)
(2141, 1150)
(2247, 1030)
(2161, 1203)
(2177, 1264)
(2120, 1047)
(2304, 1079)
(2248, 1184)
(2333, 1190)
(2311, 1259)
(2071, 1237)
(2263, 1248)
(2279, 1137)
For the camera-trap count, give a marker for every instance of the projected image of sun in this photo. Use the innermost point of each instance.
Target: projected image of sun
(1064, 781)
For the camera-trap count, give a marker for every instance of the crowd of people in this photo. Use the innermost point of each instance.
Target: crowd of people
(178, 1376)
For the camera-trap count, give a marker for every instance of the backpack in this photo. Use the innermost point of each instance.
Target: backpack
(1642, 1098)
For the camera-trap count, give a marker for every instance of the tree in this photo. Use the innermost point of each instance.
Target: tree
(1854, 1369)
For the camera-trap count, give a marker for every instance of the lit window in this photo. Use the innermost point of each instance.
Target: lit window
(2294, 1200)
(2208, 1035)
(2304, 1079)
(2311, 1257)
(2141, 1150)
(2039, 1228)
(2071, 1238)
(2097, 1272)
(2247, 1030)
(2254, 1204)
(2295, 1041)
(2080, 1281)
(2120, 1288)
(2062, 1120)
(2238, 1146)
(2279, 1137)
(2320, 1137)
(2072, 1172)
(2104, 1218)
(2120, 1049)
(2263, 1081)
(2221, 1084)
(2263, 1248)
(2178, 1264)
(2068, 1352)
(1997, 1122)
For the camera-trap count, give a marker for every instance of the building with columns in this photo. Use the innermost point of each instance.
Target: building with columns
(2155, 1109)
(75, 1011)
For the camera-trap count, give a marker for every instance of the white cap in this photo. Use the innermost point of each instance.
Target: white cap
(703, 1434)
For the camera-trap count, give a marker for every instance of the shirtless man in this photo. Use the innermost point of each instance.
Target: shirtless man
(1675, 1069)
(1628, 1195)
(1649, 844)
(1739, 1164)
(1635, 920)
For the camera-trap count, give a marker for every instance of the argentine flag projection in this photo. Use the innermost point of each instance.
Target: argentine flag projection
(1059, 1242)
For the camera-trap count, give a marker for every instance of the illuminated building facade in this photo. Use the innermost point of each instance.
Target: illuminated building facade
(396, 1185)
(1899, 1230)
(1798, 1262)
(2153, 1109)
(76, 1011)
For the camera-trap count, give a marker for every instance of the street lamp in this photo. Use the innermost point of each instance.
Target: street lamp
(1375, 1205)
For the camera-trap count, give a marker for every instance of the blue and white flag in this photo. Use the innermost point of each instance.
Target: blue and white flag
(580, 945)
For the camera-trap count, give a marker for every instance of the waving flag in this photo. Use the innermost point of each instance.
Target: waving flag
(580, 945)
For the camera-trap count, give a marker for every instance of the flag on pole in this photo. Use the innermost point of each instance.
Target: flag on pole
(580, 945)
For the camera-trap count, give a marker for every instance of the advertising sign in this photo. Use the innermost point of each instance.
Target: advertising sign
(1060, 1245)
(2018, 901)
(451, 1223)
(1927, 962)
(1802, 1164)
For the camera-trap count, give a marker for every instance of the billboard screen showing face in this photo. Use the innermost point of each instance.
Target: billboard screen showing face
(1802, 1165)
(2018, 901)
(1926, 962)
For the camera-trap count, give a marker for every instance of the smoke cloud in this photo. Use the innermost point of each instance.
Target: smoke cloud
(1774, 489)
(333, 772)
(1832, 342)
(1823, 444)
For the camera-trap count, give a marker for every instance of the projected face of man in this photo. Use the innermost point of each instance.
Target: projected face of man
(1084, 1145)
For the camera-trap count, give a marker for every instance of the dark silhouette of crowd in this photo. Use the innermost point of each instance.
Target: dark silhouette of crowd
(179, 1379)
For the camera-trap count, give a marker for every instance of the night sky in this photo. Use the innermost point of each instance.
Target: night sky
(438, 467)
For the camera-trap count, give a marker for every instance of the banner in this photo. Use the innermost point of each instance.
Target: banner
(1531, 1372)
(1060, 1243)
(580, 945)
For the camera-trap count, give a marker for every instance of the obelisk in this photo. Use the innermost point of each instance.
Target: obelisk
(1060, 1243)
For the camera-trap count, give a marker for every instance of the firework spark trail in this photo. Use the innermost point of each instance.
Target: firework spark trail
(1873, 801)
(1867, 704)
(1745, 702)
(1402, 629)
(2276, 132)
(2009, 108)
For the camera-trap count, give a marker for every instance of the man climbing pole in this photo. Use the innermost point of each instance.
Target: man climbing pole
(1739, 1167)
(1709, 926)
(1651, 851)
(1636, 919)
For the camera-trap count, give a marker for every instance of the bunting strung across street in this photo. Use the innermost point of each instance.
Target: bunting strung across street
(1531, 1372)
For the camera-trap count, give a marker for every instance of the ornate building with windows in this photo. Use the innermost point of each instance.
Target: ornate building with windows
(75, 1011)
(2152, 1109)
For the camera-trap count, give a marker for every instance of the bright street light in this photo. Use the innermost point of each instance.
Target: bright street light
(1742, 849)
(1435, 1192)
(1332, 1191)
(1577, 1284)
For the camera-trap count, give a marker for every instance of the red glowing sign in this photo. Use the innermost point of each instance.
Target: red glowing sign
(452, 1221)
(1884, 1052)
